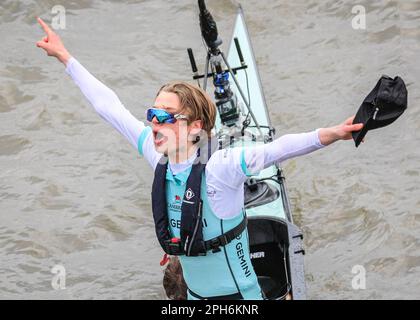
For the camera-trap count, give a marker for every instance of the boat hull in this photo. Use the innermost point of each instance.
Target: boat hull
(276, 243)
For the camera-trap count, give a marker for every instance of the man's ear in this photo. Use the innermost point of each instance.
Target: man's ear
(196, 127)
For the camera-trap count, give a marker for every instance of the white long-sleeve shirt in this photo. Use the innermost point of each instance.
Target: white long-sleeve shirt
(226, 170)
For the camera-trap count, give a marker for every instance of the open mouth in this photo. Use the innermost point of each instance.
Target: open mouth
(159, 138)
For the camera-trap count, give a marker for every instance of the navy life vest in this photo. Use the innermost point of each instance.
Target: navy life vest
(191, 242)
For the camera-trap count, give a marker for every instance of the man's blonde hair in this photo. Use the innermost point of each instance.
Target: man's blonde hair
(195, 103)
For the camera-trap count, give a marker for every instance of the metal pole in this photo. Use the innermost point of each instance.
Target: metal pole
(242, 94)
(206, 70)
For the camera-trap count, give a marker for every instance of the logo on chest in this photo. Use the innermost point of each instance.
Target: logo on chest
(211, 193)
(189, 194)
(176, 203)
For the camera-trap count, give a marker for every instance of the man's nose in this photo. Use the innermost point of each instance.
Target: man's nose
(154, 121)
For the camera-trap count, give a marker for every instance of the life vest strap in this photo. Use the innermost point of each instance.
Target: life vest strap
(222, 240)
(176, 248)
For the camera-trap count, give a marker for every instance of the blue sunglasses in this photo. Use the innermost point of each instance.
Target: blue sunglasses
(163, 116)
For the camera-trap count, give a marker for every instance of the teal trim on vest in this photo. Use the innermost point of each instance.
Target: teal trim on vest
(243, 164)
(143, 135)
(216, 273)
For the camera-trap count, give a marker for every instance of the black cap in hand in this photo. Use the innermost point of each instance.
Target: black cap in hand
(383, 105)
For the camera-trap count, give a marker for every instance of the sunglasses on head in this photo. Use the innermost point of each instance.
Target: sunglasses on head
(163, 116)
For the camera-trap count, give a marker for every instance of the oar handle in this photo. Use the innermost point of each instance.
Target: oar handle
(238, 49)
(192, 61)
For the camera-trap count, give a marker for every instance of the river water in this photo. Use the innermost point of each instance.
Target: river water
(74, 193)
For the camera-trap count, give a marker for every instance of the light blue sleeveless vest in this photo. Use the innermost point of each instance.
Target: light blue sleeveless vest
(226, 272)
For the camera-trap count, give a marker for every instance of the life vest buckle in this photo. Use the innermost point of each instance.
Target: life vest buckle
(215, 245)
(174, 247)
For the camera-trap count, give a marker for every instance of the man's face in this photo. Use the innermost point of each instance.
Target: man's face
(170, 138)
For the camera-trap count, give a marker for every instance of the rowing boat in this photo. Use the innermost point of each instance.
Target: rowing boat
(275, 241)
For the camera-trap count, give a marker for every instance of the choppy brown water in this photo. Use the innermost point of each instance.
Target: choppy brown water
(73, 192)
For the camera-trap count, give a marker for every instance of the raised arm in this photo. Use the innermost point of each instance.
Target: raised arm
(293, 145)
(103, 99)
(231, 167)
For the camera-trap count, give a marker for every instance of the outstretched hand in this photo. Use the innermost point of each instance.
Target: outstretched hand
(345, 129)
(52, 44)
(341, 132)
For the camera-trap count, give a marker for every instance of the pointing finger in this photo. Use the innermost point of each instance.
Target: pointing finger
(44, 26)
